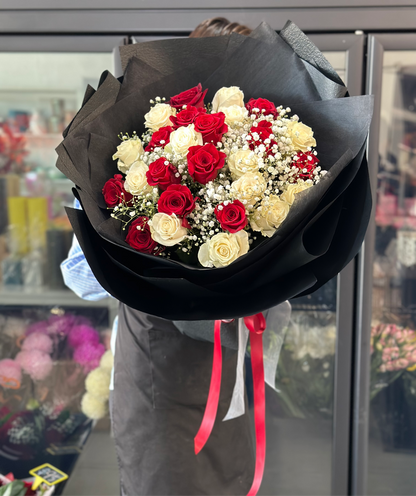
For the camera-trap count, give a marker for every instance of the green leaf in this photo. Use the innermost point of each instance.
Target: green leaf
(15, 488)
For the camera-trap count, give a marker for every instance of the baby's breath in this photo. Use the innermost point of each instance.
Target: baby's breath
(276, 161)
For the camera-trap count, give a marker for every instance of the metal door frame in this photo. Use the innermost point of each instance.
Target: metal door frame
(377, 44)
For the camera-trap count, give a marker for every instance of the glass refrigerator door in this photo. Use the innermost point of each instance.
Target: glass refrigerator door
(392, 354)
(304, 423)
(43, 325)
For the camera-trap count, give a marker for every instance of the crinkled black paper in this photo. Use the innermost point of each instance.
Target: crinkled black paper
(326, 224)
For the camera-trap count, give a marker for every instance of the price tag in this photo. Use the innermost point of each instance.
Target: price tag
(48, 474)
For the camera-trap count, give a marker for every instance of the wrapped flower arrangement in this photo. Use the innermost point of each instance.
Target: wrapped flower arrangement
(265, 155)
(218, 178)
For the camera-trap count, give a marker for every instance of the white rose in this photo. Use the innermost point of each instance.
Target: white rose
(182, 139)
(167, 229)
(158, 116)
(225, 97)
(136, 180)
(234, 114)
(249, 189)
(128, 151)
(241, 162)
(301, 135)
(223, 248)
(289, 195)
(273, 211)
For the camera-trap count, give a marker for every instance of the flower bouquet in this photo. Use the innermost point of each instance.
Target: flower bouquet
(200, 177)
(393, 351)
(218, 178)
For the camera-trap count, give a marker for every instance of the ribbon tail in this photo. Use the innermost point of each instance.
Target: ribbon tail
(237, 405)
(256, 342)
(211, 408)
(277, 319)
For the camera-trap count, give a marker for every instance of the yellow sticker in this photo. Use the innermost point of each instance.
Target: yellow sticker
(48, 474)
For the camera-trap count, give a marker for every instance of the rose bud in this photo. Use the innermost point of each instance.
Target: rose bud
(262, 104)
(194, 96)
(114, 192)
(186, 117)
(307, 163)
(159, 139)
(232, 216)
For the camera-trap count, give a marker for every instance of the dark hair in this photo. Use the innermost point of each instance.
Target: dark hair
(218, 26)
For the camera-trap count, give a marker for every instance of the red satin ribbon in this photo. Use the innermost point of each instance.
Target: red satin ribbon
(214, 393)
(256, 324)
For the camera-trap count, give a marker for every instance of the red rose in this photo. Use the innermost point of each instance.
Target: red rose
(163, 134)
(139, 237)
(204, 162)
(195, 96)
(263, 129)
(262, 104)
(114, 191)
(211, 126)
(232, 216)
(186, 117)
(162, 173)
(307, 163)
(177, 199)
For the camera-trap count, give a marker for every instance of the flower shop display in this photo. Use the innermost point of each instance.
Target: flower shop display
(12, 150)
(41, 389)
(94, 403)
(393, 351)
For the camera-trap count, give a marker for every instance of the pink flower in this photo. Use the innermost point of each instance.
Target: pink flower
(81, 334)
(387, 354)
(88, 355)
(10, 374)
(35, 363)
(38, 327)
(402, 363)
(38, 341)
(395, 352)
(62, 324)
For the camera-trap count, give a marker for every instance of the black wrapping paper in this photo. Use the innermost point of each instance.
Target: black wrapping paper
(326, 224)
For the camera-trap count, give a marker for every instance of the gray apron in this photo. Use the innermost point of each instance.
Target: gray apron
(161, 387)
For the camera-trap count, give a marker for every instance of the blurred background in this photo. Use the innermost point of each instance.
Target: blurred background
(344, 418)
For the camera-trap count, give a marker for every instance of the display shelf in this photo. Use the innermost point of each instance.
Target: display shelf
(42, 296)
